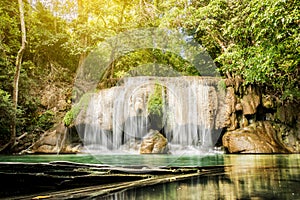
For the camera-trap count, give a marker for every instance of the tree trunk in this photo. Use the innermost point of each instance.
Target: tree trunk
(17, 73)
(82, 19)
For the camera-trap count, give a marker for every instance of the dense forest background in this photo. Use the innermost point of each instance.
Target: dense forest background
(255, 40)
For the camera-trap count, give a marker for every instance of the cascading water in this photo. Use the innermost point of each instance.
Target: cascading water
(117, 119)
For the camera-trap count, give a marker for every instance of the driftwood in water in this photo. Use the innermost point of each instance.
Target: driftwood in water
(64, 180)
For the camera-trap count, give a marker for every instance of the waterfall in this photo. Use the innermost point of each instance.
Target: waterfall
(117, 119)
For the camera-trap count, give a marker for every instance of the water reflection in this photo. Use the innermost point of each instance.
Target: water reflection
(245, 177)
(151, 160)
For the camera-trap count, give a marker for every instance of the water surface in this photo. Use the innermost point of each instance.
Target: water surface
(152, 160)
(244, 176)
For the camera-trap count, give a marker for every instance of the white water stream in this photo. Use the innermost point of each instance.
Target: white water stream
(118, 118)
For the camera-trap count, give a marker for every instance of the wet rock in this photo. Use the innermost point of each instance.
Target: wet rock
(153, 142)
(259, 137)
(131, 145)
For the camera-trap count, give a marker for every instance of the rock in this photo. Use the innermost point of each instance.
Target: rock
(153, 142)
(184, 101)
(267, 101)
(131, 145)
(289, 137)
(53, 97)
(238, 107)
(243, 122)
(259, 137)
(45, 148)
(250, 102)
(55, 141)
(287, 114)
(230, 115)
(235, 82)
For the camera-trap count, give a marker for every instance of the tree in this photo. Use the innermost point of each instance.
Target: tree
(9, 42)
(17, 73)
(6, 113)
(257, 40)
(19, 57)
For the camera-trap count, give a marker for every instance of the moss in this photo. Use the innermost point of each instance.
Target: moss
(76, 108)
(221, 85)
(155, 103)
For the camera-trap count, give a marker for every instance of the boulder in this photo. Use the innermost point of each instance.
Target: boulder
(153, 142)
(259, 137)
(55, 141)
(250, 102)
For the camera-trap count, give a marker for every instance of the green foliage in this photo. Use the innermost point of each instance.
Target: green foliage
(47, 59)
(48, 48)
(268, 55)
(221, 85)
(258, 40)
(9, 42)
(71, 115)
(45, 120)
(153, 62)
(155, 103)
(6, 115)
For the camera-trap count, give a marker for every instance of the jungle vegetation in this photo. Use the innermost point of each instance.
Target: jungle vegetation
(256, 40)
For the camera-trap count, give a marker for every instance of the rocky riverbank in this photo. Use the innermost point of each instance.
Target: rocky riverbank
(259, 123)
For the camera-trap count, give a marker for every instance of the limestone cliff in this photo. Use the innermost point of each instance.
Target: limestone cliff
(259, 123)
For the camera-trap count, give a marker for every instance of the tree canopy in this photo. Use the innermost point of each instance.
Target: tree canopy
(258, 40)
